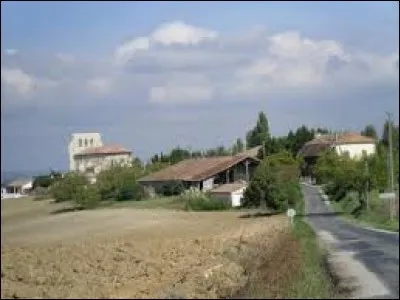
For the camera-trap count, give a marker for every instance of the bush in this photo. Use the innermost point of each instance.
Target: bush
(195, 200)
(120, 184)
(69, 188)
(89, 198)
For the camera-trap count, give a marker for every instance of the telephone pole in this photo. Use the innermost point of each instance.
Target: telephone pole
(391, 169)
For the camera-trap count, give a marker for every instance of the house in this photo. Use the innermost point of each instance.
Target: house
(204, 173)
(231, 193)
(352, 144)
(88, 155)
(16, 188)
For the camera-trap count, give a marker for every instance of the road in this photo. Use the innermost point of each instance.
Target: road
(377, 251)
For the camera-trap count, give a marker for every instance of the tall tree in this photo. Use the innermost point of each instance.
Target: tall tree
(260, 133)
(369, 131)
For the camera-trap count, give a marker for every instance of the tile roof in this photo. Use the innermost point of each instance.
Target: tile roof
(196, 169)
(104, 150)
(229, 187)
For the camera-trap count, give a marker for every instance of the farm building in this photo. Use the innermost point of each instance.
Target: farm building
(16, 188)
(352, 144)
(231, 193)
(204, 173)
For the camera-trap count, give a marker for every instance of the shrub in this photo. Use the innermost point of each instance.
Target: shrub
(71, 187)
(196, 200)
(89, 197)
(120, 184)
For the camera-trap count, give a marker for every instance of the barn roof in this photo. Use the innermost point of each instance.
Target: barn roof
(196, 169)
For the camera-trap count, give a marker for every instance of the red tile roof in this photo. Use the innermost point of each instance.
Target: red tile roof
(104, 150)
(196, 169)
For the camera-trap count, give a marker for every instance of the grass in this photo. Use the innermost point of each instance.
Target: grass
(312, 279)
(378, 216)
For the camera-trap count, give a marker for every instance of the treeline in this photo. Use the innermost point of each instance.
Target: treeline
(274, 184)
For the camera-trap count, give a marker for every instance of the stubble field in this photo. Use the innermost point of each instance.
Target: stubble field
(142, 253)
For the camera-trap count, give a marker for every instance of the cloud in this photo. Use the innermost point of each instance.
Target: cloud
(167, 34)
(22, 83)
(178, 79)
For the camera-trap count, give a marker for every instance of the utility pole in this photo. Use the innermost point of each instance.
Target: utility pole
(391, 170)
(367, 184)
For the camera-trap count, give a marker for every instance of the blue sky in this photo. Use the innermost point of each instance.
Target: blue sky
(151, 75)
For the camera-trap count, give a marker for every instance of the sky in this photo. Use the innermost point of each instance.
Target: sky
(154, 75)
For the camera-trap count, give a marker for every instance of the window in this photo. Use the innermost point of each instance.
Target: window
(80, 142)
(86, 142)
(91, 142)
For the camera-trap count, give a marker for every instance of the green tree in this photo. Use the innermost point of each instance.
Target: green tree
(260, 133)
(275, 183)
(369, 131)
(238, 147)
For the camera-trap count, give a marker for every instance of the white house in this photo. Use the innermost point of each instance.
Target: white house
(230, 193)
(354, 145)
(17, 188)
(88, 154)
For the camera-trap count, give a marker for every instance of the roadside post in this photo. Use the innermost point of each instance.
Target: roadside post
(290, 213)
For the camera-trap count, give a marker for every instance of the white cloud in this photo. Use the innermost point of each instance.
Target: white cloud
(174, 65)
(125, 52)
(167, 34)
(182, 34)
(19, 80)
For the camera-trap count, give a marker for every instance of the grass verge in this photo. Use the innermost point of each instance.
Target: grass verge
(378, 216)
(312, 279)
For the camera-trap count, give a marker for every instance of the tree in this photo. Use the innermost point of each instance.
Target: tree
(260, 133)
(237, 147)
(275, 182)
(369, 131)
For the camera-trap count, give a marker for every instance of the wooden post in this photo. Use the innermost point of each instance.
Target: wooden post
(227, 176)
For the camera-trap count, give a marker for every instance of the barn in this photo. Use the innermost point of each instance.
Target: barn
(231, 193)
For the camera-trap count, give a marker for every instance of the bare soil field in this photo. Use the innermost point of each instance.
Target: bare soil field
(140, 253)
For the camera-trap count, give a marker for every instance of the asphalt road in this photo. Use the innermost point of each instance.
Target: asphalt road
(378, 251)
